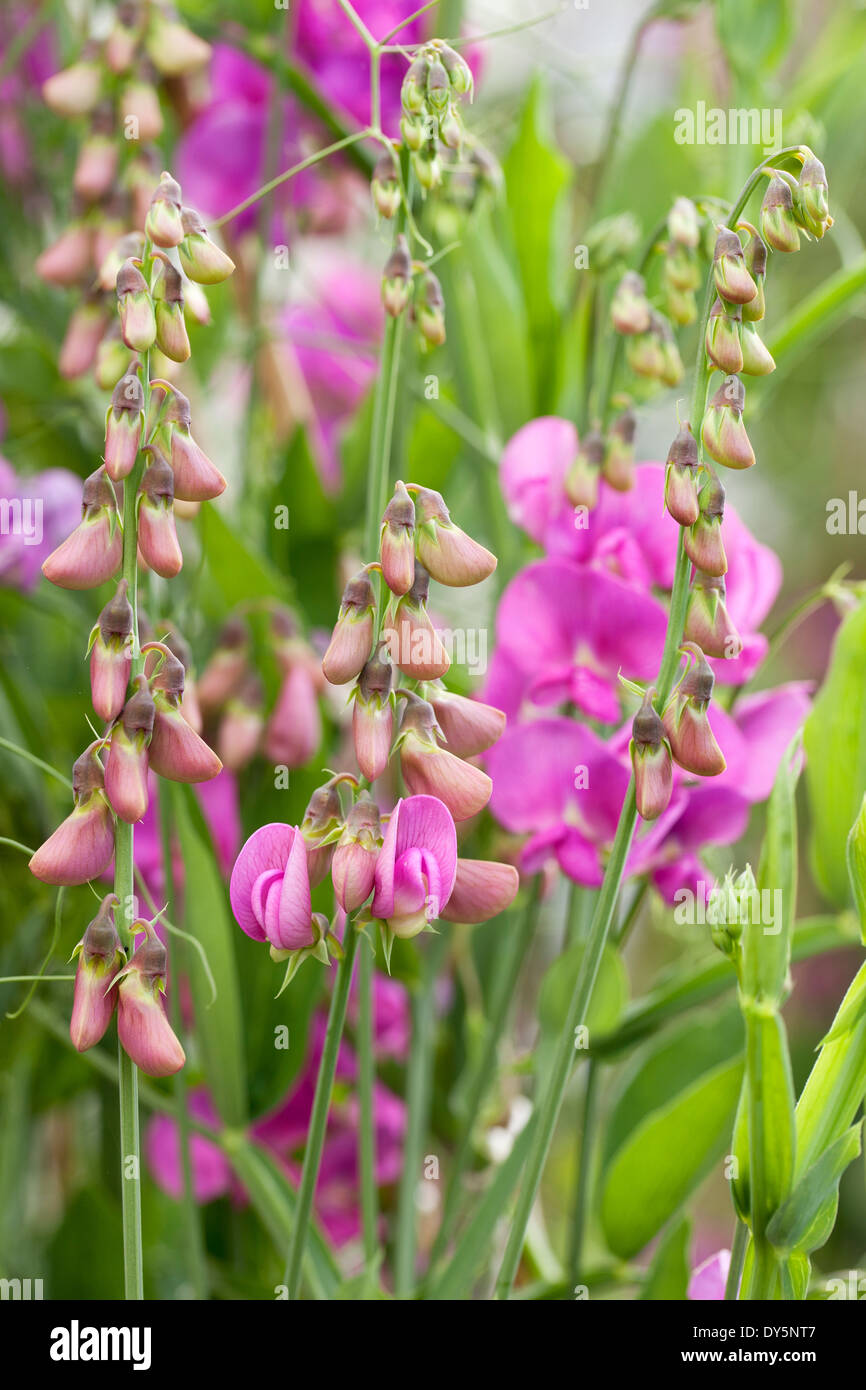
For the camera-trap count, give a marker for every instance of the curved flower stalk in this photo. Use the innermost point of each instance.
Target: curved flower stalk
(697, 604)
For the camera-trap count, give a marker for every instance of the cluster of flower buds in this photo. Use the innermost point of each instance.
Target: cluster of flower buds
(435, 81)
(400, 870)
(681, 734)
(105, 980)
(681, 271)
(792, 206)
(231, 695)
(114, 84)
(609, 456)
(407, 282)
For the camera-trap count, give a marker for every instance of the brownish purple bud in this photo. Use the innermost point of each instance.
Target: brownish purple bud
(354, 862)
(92, 554)
(708, 622)
(778, 223)
(724, 330)
(468, 727)
(111, 655)
(164, 224)
(157, 537)
(126, 768)
(723, 432)
(321, 828)
(82, 847)
(685, 717)
(135, 307)
(352, 637)
(630, 308)
(385, 186)
(618, 468)
(171, 334)
(581, 480)
(703, 540)
(196, 479)
(651, 761)
(373, 715)
(681, 489)
(124, 421)
(397, 278)
(448, 554)
(811, 200)
(430, 770)
(733, 281)
(100, 960)
(756, 261)
(142, 1026)
(413, 642)
(430, 309)
(397, 541)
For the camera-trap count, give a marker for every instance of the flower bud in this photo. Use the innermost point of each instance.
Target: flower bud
(385, 186)
(703, 540)
(683, 223)
(111, 655)
(122, 41)
(427, 167)
(681, 306)
(723, 433)
(651, 761)
(581, 480)
(671, 363)
(681, 269)
(681, 491)
(75, 90)
(468, 727)
(141, 101)
(96, 166)
(757, 360)
(135, 307)
(164, 224)
(430, 309)
(482, 890)
(708, 622)
(172, 48)
(733, 281)
(430, 770)
(397, 541)
(142, 1026)
(438, 89)
(92, 554)
(397, 278)
(630, 309)
(413, 93)
(723, 344)
(414, 131)
(354, 862)
(80, 345)
(756, 261)
(448, 554)
(459, 71)
(123, 427)
(352, 637)
(618, 467)
(126, 768)
(100, 960)
(201, 258)
(241, 726)
(196, 478)
(112, 359)
(81, 848)
(225, 669)
(811, 204)
(778, 224)
(175, 751)
(321, 829)
(685, 718)
(171, 334)
(69, 259)
(157, 537)
(451, 129)
(645, 354)
(413, 642)
(373, 715)
(294, 730)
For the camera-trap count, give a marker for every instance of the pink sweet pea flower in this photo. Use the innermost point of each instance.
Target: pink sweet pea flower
(753, 580)
(270, 888)
(417, 865)
(569, 630)
(532, 474)
(708, 1280)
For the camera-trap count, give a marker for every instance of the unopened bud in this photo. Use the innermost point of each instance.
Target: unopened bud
(373, 716)
(352, 637)
(171, 334)
(92, 554)
(430, 309)
(397, 541)
(397, 278)
(385, 186)
(685, 718)
(683, 223)
(164, 224)
(111, 654)
(723, 338)
(618, 467)
(708, 622)
(157, 537)
(757, 359)
(811, 204)
(124, 421)
(127, 765)
(100, 960)
(681, 492)
(723, 432)
(201, 258)
(733, 281)
(778, 223)
(703, 540)
(630, 309)
(581, 480)
(447, 553)
(756, 261)
(651, 761)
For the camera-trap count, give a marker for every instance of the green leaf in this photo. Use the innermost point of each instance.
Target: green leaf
(668, 1275)
(836, 1086)
(856, 859)
(235, 570)
(770, 1113)
(835, 742)
(851, 1010)
(665, 1158)
(218, 1025)
(799, 1218)
(608, 1000)
(767, 944)
(754, 36)
(536, 177)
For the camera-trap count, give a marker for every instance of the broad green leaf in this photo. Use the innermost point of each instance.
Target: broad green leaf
(670, 1063)
(796, 1219)
(754, 36)
(856, 855)
(500, 307)
(233, 568)
(835, 1089)
(852, 1009)
(668, 1275)
(770, 1116)
(665, 1158)
(218, 1023)
(767, 943)
(536, 177)
(835, 742)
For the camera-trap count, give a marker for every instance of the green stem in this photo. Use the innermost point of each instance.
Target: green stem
(738, 1259)
(37, 762)
(366, 1089)
(319, 1117)
(290, 174)
(515, 945)
(418, 1090)
(583, 1186)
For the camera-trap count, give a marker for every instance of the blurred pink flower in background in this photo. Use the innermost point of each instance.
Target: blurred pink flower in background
(283, 1131)
(36, 514)
(32, 66)
(218, 799)
(708, 1280)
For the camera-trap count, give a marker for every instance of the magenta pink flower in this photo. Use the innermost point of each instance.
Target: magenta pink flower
(708, 1280)
(417, 865)
(44, 509)
(270, 888)
(564, 632)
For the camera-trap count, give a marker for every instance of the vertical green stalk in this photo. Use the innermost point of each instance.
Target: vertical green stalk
(418, 1089)
(583, 1186)
(319, 1117)
(738, 1259)
(195, 1260)
(515, 944)
(366, 1098)
(127, 1072)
